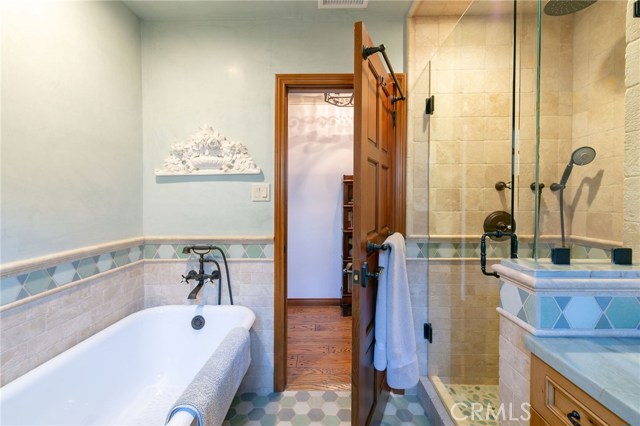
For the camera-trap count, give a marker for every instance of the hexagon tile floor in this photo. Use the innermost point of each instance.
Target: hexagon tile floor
(328, 408)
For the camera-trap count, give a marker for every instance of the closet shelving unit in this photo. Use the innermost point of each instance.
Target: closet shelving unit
(347, 242)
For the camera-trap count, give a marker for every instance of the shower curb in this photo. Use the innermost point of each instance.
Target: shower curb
(432, 405)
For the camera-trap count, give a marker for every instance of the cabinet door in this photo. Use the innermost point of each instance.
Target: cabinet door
(555, 398)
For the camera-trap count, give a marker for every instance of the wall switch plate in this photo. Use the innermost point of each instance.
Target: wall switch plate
(261, 191)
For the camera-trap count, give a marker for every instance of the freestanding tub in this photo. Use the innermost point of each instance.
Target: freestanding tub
(130, 373)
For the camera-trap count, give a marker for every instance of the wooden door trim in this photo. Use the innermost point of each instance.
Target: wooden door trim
(284, 84)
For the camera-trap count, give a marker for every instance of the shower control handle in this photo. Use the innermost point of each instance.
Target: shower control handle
(501, 186)
(541, 186)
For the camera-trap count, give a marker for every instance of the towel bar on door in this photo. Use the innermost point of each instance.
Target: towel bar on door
(372, 247)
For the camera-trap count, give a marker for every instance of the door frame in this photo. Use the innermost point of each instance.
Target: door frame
(284, 84)
(312, 83)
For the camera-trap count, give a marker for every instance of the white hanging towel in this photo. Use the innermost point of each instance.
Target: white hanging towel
(395, 346)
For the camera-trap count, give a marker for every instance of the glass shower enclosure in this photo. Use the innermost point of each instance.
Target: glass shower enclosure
(528, 115)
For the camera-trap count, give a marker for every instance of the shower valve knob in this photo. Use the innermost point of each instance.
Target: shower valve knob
(501, 186)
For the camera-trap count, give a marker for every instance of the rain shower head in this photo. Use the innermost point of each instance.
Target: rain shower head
(566, 7)
(580, 157)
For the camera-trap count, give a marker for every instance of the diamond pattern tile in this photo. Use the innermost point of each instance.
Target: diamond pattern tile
(167, 251)
(87, 267)
(624, 312)
(530, 310)
(105, 262)
(510, 299)
(150, 251)
(549, 312)
(17, 287)
(10, 288)
(135, 254)
(38, 281)
(121, 258)
(582, 312)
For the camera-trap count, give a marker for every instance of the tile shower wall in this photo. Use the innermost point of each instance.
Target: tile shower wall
(598, 120)
(470, 76)
(462, 310)
(631, 230)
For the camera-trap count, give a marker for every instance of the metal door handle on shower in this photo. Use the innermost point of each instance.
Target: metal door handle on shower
(483, 251)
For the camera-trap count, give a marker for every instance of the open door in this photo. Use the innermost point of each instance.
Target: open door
(378, 211)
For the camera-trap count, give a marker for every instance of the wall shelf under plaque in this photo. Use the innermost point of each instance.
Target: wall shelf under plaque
(208, 153)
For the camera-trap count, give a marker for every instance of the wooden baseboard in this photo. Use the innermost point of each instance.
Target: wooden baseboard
(313, 302)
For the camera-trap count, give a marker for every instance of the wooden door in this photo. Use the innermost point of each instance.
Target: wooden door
(376, 214)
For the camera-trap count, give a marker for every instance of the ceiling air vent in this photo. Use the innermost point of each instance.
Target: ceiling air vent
(342, 4)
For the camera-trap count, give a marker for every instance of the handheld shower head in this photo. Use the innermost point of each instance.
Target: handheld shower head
(581, 156)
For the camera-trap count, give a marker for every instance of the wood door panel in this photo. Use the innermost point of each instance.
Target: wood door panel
(376, 208)
(370, 220)
(384, 208)
(372, 110)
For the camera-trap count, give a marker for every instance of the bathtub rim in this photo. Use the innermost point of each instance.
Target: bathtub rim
(31, 376)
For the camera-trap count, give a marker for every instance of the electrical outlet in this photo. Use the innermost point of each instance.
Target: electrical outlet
(261, 191)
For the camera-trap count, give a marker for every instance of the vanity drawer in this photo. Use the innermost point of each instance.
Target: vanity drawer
(554, 397)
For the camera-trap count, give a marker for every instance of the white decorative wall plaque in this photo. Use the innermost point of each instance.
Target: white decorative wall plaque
(208, 152)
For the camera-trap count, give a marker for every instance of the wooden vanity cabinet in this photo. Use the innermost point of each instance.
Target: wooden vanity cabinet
(554, 398)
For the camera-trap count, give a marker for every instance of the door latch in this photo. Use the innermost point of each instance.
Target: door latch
(366, 274)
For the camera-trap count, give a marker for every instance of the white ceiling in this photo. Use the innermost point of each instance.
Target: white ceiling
(190, 10)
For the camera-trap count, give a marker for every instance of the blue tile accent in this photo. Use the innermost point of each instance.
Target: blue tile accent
(549, 312)
(10, 288)
(523, 295)
(561, 323)
(562, 301)
(37, 281)
(522, 315)
(603, 301)
(624, 312)
(530, 310)
(582, 312)
(603, 323)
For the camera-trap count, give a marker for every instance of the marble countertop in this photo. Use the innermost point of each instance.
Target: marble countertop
(578, 269)
(608, 369)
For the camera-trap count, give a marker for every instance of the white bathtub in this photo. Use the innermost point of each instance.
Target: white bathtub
(131, 373)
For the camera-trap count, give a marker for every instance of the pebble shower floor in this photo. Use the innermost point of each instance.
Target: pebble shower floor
(328, 408)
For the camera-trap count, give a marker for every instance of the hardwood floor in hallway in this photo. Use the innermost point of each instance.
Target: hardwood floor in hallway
(319, 348)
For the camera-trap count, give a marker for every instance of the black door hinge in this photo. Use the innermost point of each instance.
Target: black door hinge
(393, 118)
(428, 332)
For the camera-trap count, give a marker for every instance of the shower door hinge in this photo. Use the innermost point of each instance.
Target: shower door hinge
(428, 332)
